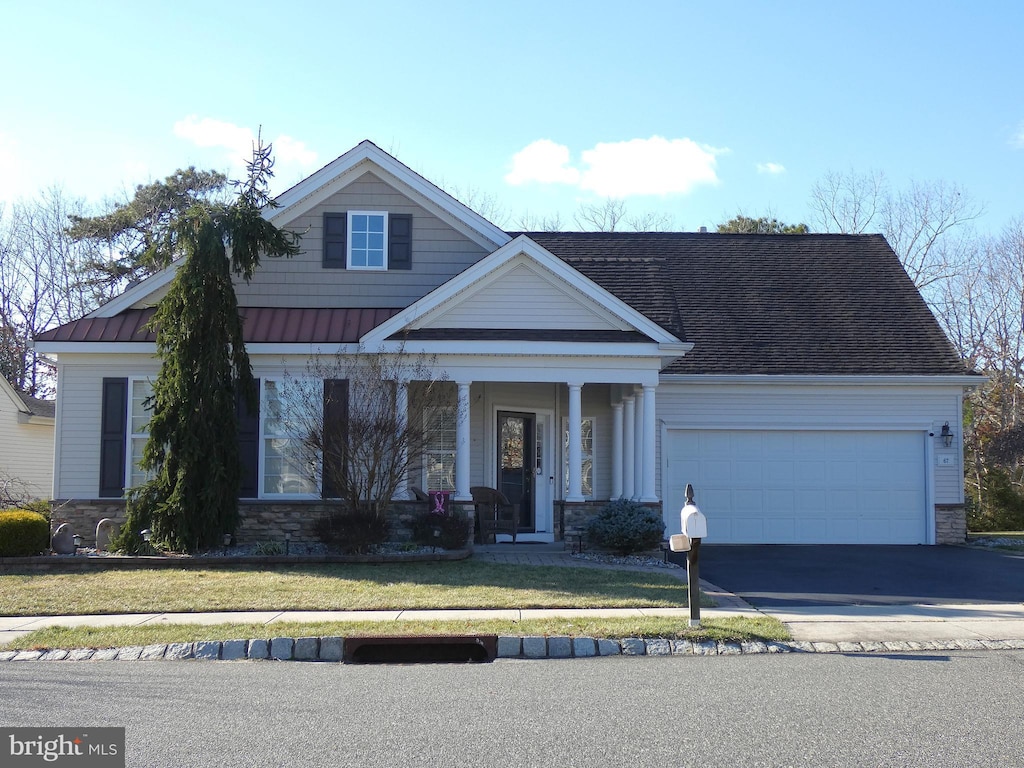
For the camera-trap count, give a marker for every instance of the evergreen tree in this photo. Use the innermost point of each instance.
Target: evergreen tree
(764, 225)
(139, 237)
(192, 451)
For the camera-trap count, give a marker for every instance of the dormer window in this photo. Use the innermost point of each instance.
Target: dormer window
(367, 246)
(367, 240)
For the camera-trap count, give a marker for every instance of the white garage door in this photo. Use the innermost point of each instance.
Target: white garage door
(800, 487)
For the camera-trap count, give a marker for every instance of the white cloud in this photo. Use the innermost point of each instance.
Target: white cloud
(291, 156)
(654, 166)
(543, 161)
(772, 168)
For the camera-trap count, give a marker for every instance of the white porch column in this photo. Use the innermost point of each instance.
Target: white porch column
(647, 486)
(575, 452)
(402, 411)
(462, 445)
(638, 446)
(617, 450)
(628, 446)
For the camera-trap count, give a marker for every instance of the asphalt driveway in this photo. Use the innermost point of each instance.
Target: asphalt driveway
(777, 576)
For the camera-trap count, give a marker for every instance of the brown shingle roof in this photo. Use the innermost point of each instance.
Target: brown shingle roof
(769, 304)
(750, 304)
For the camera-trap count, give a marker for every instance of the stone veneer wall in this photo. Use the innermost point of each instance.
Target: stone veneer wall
(950, 524)
(577, 514)
(260, 520)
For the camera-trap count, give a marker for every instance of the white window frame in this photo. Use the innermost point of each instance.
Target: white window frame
(427, 453)
(131, 436)
(286, 435)
(584, 454)
(348, 241)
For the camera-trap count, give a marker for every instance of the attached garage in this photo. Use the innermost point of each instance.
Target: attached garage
(801, 486)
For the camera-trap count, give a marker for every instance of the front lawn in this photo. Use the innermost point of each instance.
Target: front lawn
(395, 586)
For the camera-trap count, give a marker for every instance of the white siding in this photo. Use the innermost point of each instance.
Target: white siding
(439, 252)
(838, 407)
(26, 450)
(78, 418)
(523, 298)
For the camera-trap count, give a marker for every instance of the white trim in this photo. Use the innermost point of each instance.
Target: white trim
(929, 486)
(411, 315)
(781, 426)
(542, 418)
(96, 347)
(944, 380)
(12, 395)
(348, 241)
(563, 464)
(366, 156)
(263, 437)
(129, 435)
(137, 292)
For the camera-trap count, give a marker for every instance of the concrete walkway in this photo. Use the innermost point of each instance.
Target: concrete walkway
(827, 624)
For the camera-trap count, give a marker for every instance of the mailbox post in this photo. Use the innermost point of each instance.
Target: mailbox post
(695, 528)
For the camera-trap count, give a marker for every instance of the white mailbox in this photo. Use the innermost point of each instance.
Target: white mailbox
(695, 525)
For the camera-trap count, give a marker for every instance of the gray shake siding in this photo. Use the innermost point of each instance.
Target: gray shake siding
(438, 253)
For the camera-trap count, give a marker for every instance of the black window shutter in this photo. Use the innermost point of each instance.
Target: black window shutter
(335, 242)
(248, 445)
(335, 432)
(113, 437)
(400, 241)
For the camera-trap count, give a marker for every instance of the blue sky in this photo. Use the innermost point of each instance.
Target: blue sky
(698, 110)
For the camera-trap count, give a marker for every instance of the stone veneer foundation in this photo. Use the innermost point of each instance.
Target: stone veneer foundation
(260, 521)
(271, 520)
(950, 524)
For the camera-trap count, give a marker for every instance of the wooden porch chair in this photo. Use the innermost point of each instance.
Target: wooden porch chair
(494, 514)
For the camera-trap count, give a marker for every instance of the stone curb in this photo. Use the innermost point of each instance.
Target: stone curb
(509, 647)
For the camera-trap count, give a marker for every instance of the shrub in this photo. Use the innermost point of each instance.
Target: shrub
(626, 527)
(269, 549)
(355, 531)
(453, 530)
(23, 533)
(40, 506)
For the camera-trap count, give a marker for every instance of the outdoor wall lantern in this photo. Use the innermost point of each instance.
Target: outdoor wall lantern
(146, 535)
(947, 435)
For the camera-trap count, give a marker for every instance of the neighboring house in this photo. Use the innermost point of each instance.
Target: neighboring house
(798, 382)
(26, 444)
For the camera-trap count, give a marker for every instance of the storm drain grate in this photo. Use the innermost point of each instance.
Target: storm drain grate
(420, 650)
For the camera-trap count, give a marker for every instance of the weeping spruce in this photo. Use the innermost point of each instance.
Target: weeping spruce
(192, 451)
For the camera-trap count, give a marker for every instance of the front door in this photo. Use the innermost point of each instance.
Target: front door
(517, 459)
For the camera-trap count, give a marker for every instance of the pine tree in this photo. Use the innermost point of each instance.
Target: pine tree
(192, 451)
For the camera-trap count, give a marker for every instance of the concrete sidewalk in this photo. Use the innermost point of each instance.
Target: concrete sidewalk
(823, 624)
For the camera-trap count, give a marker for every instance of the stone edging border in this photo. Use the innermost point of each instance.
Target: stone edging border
(509, 647)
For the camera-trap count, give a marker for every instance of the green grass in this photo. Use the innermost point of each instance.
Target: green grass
(459, 584)
(728, 628)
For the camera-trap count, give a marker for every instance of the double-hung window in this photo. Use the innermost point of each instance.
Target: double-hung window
(367, 240)
(586, 456)
(140, 390)
(439, 449)
(286, 469)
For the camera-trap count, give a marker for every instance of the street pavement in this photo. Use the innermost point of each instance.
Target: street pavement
(808, 620)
